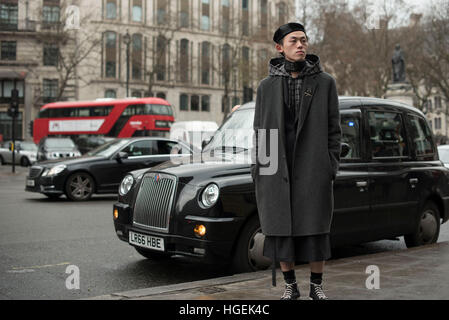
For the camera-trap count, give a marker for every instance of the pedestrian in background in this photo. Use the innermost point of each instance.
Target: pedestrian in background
(295, 203)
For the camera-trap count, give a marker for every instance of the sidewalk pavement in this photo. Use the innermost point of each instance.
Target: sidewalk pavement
(418, 273)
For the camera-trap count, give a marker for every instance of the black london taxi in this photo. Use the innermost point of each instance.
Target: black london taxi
(390, 183)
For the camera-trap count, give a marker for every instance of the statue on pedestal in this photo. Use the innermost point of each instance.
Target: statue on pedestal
(398, 65)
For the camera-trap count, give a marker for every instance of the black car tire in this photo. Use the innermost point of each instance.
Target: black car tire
(24, 162)
(2, 162)
(80, 186)
(428, 228)
(151, 254)
(248, 254)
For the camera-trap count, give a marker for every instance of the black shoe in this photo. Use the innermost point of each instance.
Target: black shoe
(291, 292)
(316, 292)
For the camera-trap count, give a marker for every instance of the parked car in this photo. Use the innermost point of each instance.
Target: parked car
(390, 184)
(86, 144)
(25, 153)
(101, 170)
(443, 152)
(51, 148)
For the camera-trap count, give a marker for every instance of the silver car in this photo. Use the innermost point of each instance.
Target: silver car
(25, 153)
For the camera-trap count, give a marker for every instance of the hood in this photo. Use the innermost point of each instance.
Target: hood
(200, 169)
(70, 161)
(277, 69)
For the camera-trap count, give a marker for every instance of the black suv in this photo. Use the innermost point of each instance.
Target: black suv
(390, 183)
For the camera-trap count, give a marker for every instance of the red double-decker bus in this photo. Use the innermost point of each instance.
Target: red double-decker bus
(104, 117)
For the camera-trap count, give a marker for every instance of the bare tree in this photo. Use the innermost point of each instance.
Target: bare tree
(66, 47)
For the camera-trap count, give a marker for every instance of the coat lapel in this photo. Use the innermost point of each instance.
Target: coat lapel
(308, 89)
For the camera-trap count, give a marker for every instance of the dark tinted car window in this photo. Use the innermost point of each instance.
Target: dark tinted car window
(170, 147)
(421, 136)
(140, 148)
(350, 126)
(387, 134)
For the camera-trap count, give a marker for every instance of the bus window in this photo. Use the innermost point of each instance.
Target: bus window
(158, 109)
(83, 112)
(43, 113)
(134, 110)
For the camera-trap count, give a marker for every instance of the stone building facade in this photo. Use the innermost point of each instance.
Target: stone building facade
(203, 56)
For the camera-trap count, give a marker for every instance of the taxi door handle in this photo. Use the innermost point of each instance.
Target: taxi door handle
(361, 184)
(413, 182)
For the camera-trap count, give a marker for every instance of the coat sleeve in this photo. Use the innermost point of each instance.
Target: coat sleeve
(256, 127)
(334, 129)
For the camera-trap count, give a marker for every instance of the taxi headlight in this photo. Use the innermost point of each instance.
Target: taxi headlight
(210, 195)
(126, 185)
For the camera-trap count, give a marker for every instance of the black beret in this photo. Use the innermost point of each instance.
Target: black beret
(285, 29)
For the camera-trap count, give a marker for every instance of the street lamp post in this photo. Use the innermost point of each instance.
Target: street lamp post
(127, 40)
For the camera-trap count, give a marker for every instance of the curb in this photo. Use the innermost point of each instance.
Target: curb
(183, 287)
(147, 292)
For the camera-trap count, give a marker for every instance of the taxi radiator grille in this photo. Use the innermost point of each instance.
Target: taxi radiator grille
(154, 202)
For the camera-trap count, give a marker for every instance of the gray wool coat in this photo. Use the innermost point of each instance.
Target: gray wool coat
(300, 202)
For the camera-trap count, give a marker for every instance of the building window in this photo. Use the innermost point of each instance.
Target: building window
(437, 123)
(137, 11)
(5, 90)
(263, 16)
(205, 62)
(205, 14)
(225, 15)
(184, 60)
(8, 50)
(194, 103)
(162, 7)
(184, 14)
(205, 103)
(438, 103)
(50, 90)
(262, 63)
(8, 16)
(50, 13)
(161, 53)
(245, 18)
(282, 13)
(111, 54)
(137, 57)
(110, 93)
(226, 65)
(136, 94)
(111, 9)
(161, 95)
(184, 102)
(245, 65)
(51, 54)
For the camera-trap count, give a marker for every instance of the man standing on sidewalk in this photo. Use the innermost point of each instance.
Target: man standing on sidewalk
(295, 203)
